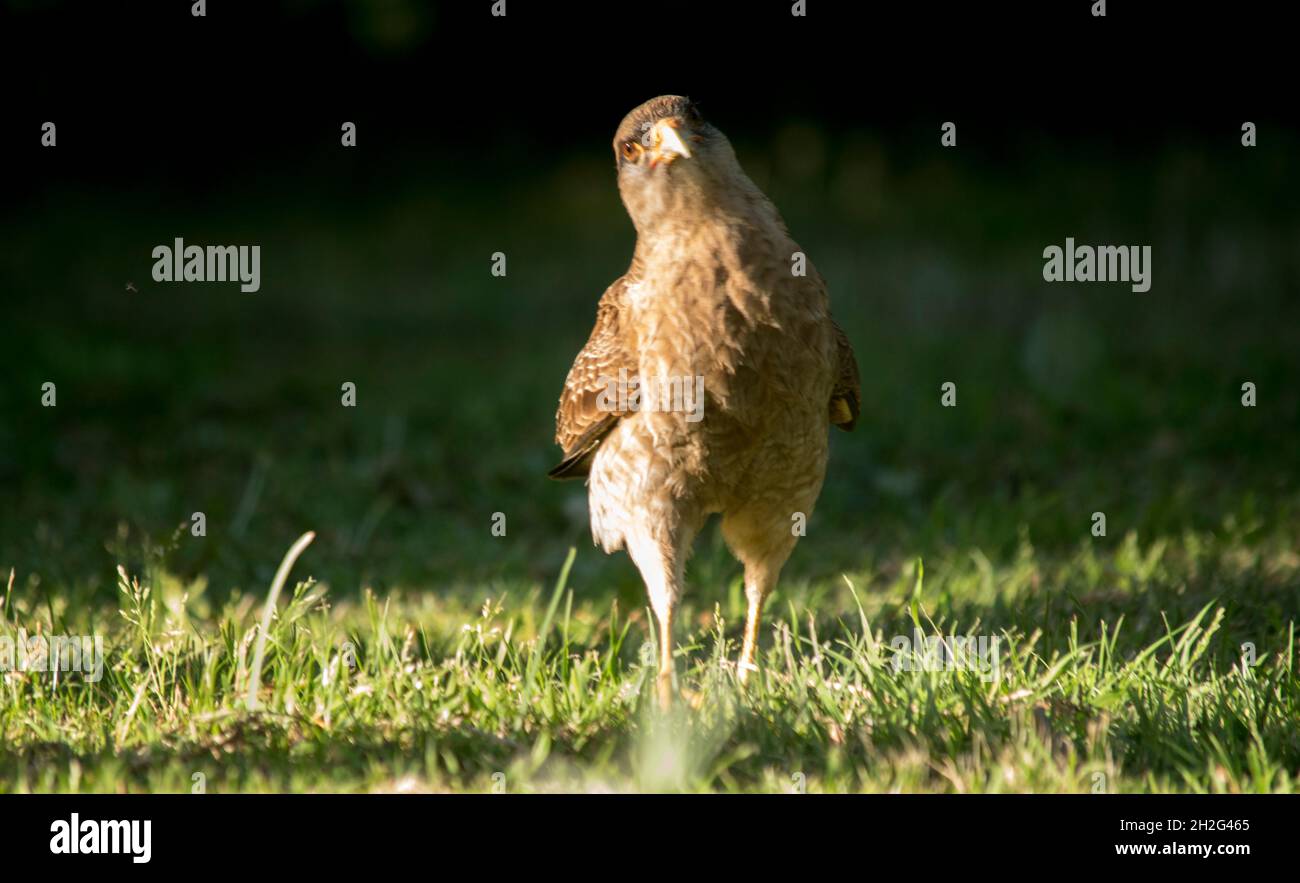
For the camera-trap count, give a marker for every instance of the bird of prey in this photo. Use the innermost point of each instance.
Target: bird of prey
(720, 300)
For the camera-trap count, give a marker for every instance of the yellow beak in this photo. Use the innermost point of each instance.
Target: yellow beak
(666, 144)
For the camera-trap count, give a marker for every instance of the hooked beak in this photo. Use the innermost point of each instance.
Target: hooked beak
(665, 142)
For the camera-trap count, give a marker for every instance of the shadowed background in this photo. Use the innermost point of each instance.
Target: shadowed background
(476, 136)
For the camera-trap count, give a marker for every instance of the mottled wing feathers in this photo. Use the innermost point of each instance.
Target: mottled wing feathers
(846, 396)
(584, 416)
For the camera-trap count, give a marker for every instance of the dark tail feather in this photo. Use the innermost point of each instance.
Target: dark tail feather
(577, 466)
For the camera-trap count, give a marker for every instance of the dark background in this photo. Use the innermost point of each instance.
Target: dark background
(478, 135)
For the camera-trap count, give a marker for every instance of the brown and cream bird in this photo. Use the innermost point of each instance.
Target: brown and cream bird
(712, 377)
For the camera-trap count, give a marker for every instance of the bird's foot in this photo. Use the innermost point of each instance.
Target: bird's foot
(691, 698)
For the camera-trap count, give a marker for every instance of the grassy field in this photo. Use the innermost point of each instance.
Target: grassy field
(1136, 690)
(411, 649)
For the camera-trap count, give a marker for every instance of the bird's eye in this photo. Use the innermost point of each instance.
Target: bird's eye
(631, 151)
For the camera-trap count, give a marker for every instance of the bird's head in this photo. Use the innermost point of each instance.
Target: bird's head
(672, 164)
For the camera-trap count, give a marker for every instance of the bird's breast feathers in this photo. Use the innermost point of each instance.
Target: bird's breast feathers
(753, 334)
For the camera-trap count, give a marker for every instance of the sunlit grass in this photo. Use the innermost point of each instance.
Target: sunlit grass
(1145, 686)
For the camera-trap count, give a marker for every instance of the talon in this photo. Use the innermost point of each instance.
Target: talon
(690, 697)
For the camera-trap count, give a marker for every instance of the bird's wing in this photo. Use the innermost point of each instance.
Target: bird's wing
(846, 396)
(584, 417)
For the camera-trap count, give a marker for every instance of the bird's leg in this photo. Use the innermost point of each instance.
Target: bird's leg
(664, 683)
(762, 542)
(661, 568)
(749, 649)
(760, 578)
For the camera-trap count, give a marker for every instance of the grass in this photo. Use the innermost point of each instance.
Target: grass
(1132, 686)
(411, 649)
